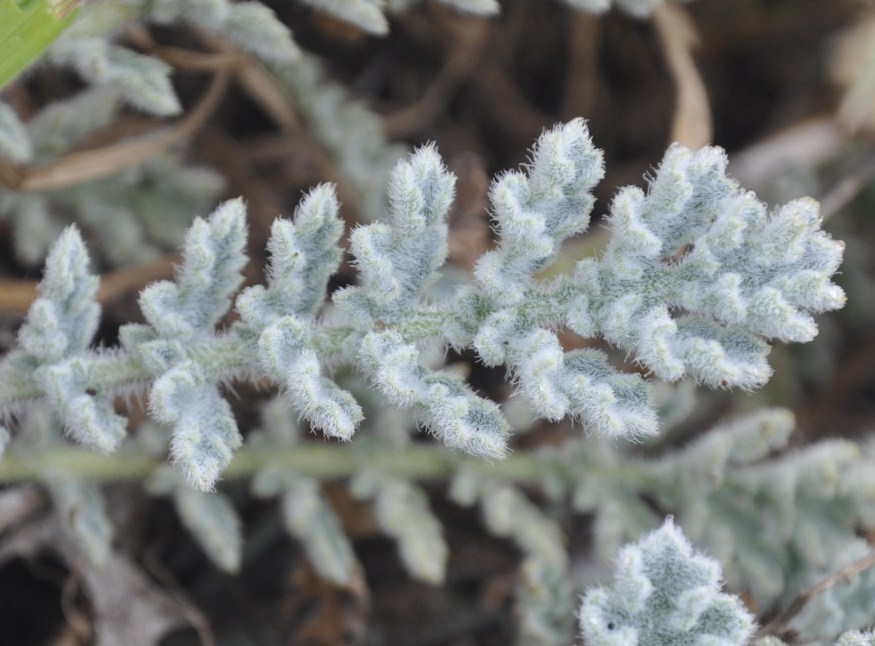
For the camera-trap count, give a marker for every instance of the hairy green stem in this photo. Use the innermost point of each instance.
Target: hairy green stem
(231, 354)
(315, 460)
(323, 461)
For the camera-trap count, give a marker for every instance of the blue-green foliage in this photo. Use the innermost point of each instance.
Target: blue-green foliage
(303, 257)
(401, 509)
(182, 313)
(856, 638)
(143, 80)
(664, 593)
(192, 305)
(695, 242)
(14, 142)
(306, 511)
(53, 344)
(544, 592)
(398, 258)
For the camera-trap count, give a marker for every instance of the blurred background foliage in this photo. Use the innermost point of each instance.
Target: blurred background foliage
(787, 87)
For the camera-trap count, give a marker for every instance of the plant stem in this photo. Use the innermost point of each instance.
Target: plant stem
(322, 461)
(231, 354)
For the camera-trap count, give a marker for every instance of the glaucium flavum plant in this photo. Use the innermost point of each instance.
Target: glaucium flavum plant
(696, 279)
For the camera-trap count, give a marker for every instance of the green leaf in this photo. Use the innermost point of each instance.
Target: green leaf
(81, 510)
(14, 142)
(27, 27)
(212, 520)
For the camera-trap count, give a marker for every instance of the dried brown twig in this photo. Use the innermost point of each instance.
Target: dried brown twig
(86, 165)
(779, 623)
(692, 124)
(17, 295)
(468, 39)
(581, 82)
